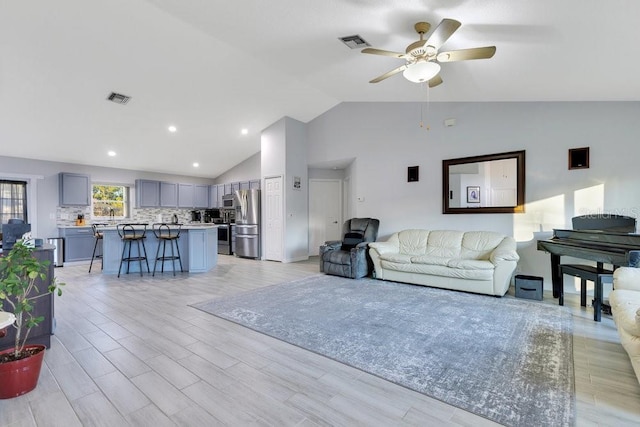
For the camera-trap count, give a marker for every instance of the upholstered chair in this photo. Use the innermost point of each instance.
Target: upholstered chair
(349, 257)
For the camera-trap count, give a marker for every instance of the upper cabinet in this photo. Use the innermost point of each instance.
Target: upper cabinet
(254, 184)
(201, 196)
(168, 194)
(74, 189)
(147, 193)
(213, 196)
(185, 195)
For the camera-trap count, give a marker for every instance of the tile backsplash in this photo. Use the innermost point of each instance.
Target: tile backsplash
(66, 216)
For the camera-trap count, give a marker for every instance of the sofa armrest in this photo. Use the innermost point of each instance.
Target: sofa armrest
(505, 251)
(384, 247)
(627, 278)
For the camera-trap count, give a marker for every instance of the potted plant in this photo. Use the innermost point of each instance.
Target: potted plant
(20, 274)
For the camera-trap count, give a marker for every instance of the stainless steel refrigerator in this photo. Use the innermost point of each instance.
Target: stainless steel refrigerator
(247, 223)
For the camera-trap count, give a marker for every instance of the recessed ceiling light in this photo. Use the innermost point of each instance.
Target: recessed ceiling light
(244, 131)
(172, 129)
(196, 164)
(111, 153)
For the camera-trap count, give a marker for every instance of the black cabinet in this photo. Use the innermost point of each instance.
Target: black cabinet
(43, 306)
(78, 243)
(74, 189)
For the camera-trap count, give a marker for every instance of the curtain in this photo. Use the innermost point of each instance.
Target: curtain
(13, 200)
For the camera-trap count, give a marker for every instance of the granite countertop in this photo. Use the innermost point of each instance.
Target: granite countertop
(149, 226)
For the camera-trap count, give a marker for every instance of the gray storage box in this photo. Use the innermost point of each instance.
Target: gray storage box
(529, 287)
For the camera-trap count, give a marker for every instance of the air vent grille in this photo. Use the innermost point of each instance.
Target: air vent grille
(354, 42)
(118, 98)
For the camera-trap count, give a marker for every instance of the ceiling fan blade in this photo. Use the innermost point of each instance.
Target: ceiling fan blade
(389, 74)
(443, 31)
(383, 52)
(435, 81)
(466, 54)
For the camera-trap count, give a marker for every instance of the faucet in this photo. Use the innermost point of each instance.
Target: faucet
(112, 215)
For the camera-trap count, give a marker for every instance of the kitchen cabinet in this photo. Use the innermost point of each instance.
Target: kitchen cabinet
(147, 193)
(227, 189)
(185, 196)
(235, 186)
(74, 189)
(213, 196)
(254, 184)
(201, 196)
(78, 243)
(168, 194)
(203, 249)
(244, 185)
(220, 194)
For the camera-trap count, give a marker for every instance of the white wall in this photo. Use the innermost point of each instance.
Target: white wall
(245, 171)
(385, 138)
(296, 200)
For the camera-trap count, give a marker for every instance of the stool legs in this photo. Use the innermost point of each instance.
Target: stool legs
(93, 256)
(142, 254)
(164, 257)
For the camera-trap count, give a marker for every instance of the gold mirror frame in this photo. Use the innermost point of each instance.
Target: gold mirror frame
(520, 183)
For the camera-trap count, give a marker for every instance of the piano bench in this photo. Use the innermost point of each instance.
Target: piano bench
(592, 274)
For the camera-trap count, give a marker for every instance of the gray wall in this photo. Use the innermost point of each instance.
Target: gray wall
(386, 138)
(245, 171)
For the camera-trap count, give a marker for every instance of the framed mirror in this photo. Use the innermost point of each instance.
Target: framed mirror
(493, 183)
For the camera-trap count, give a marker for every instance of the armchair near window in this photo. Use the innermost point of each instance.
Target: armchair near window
(349, 257)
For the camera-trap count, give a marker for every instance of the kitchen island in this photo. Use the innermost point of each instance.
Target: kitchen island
(198, 245)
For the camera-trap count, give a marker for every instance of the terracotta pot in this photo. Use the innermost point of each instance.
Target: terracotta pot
(21, 376)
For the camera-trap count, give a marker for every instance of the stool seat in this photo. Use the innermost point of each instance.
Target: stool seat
(593, 274)
(167, 234)
(129, 234)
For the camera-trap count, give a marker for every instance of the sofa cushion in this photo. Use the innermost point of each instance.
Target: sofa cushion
(396, 258)
(413, 242)
(470, 264)
(430, 259)
(444, 243)
(479, 244)
(438, 270)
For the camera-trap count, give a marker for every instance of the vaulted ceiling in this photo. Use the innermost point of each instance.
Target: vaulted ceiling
(212, 68)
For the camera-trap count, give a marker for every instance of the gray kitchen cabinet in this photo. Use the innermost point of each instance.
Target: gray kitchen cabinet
(221, 193)
(201, 196)
(227, 189)
(254, 184)
(78, 243)
(244, 185)
(168, 194)
(74, 189)
(147, 193)
(235, 186)
(213, 196)
(185, 195)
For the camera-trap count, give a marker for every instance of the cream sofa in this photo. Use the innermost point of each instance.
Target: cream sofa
(625, 307)
(473, 261)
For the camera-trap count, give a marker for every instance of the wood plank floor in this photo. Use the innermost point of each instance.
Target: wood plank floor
(130, 351)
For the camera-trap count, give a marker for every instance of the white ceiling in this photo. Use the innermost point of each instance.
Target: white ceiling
(212, 67)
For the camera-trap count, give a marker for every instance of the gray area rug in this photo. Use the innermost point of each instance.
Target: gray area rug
(509, 360)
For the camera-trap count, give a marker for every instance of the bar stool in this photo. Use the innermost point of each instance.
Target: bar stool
(98, 236)
(130, 233)
(166, 233)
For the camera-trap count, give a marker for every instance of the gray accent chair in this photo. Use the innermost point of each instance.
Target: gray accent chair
(349, 257)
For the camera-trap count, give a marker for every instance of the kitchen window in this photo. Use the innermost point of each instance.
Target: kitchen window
(13, 200)
(109, 201)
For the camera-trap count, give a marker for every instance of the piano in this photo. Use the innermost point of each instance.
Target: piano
(605, 239)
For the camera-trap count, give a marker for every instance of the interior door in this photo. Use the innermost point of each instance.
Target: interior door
(274, 219)
(325, 212)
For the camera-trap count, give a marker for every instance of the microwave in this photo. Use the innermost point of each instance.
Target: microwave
(229, 201)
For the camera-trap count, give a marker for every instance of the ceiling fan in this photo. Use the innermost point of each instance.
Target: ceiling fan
(423, 57)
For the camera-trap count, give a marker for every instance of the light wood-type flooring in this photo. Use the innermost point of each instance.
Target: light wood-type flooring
(130, 351)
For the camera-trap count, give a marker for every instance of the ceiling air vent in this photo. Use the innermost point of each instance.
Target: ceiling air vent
(354, 42)
(118, 98)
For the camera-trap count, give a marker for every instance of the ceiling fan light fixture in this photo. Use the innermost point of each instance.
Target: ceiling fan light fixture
(421, 71)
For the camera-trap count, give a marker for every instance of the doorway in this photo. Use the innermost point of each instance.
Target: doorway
(325, 212)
